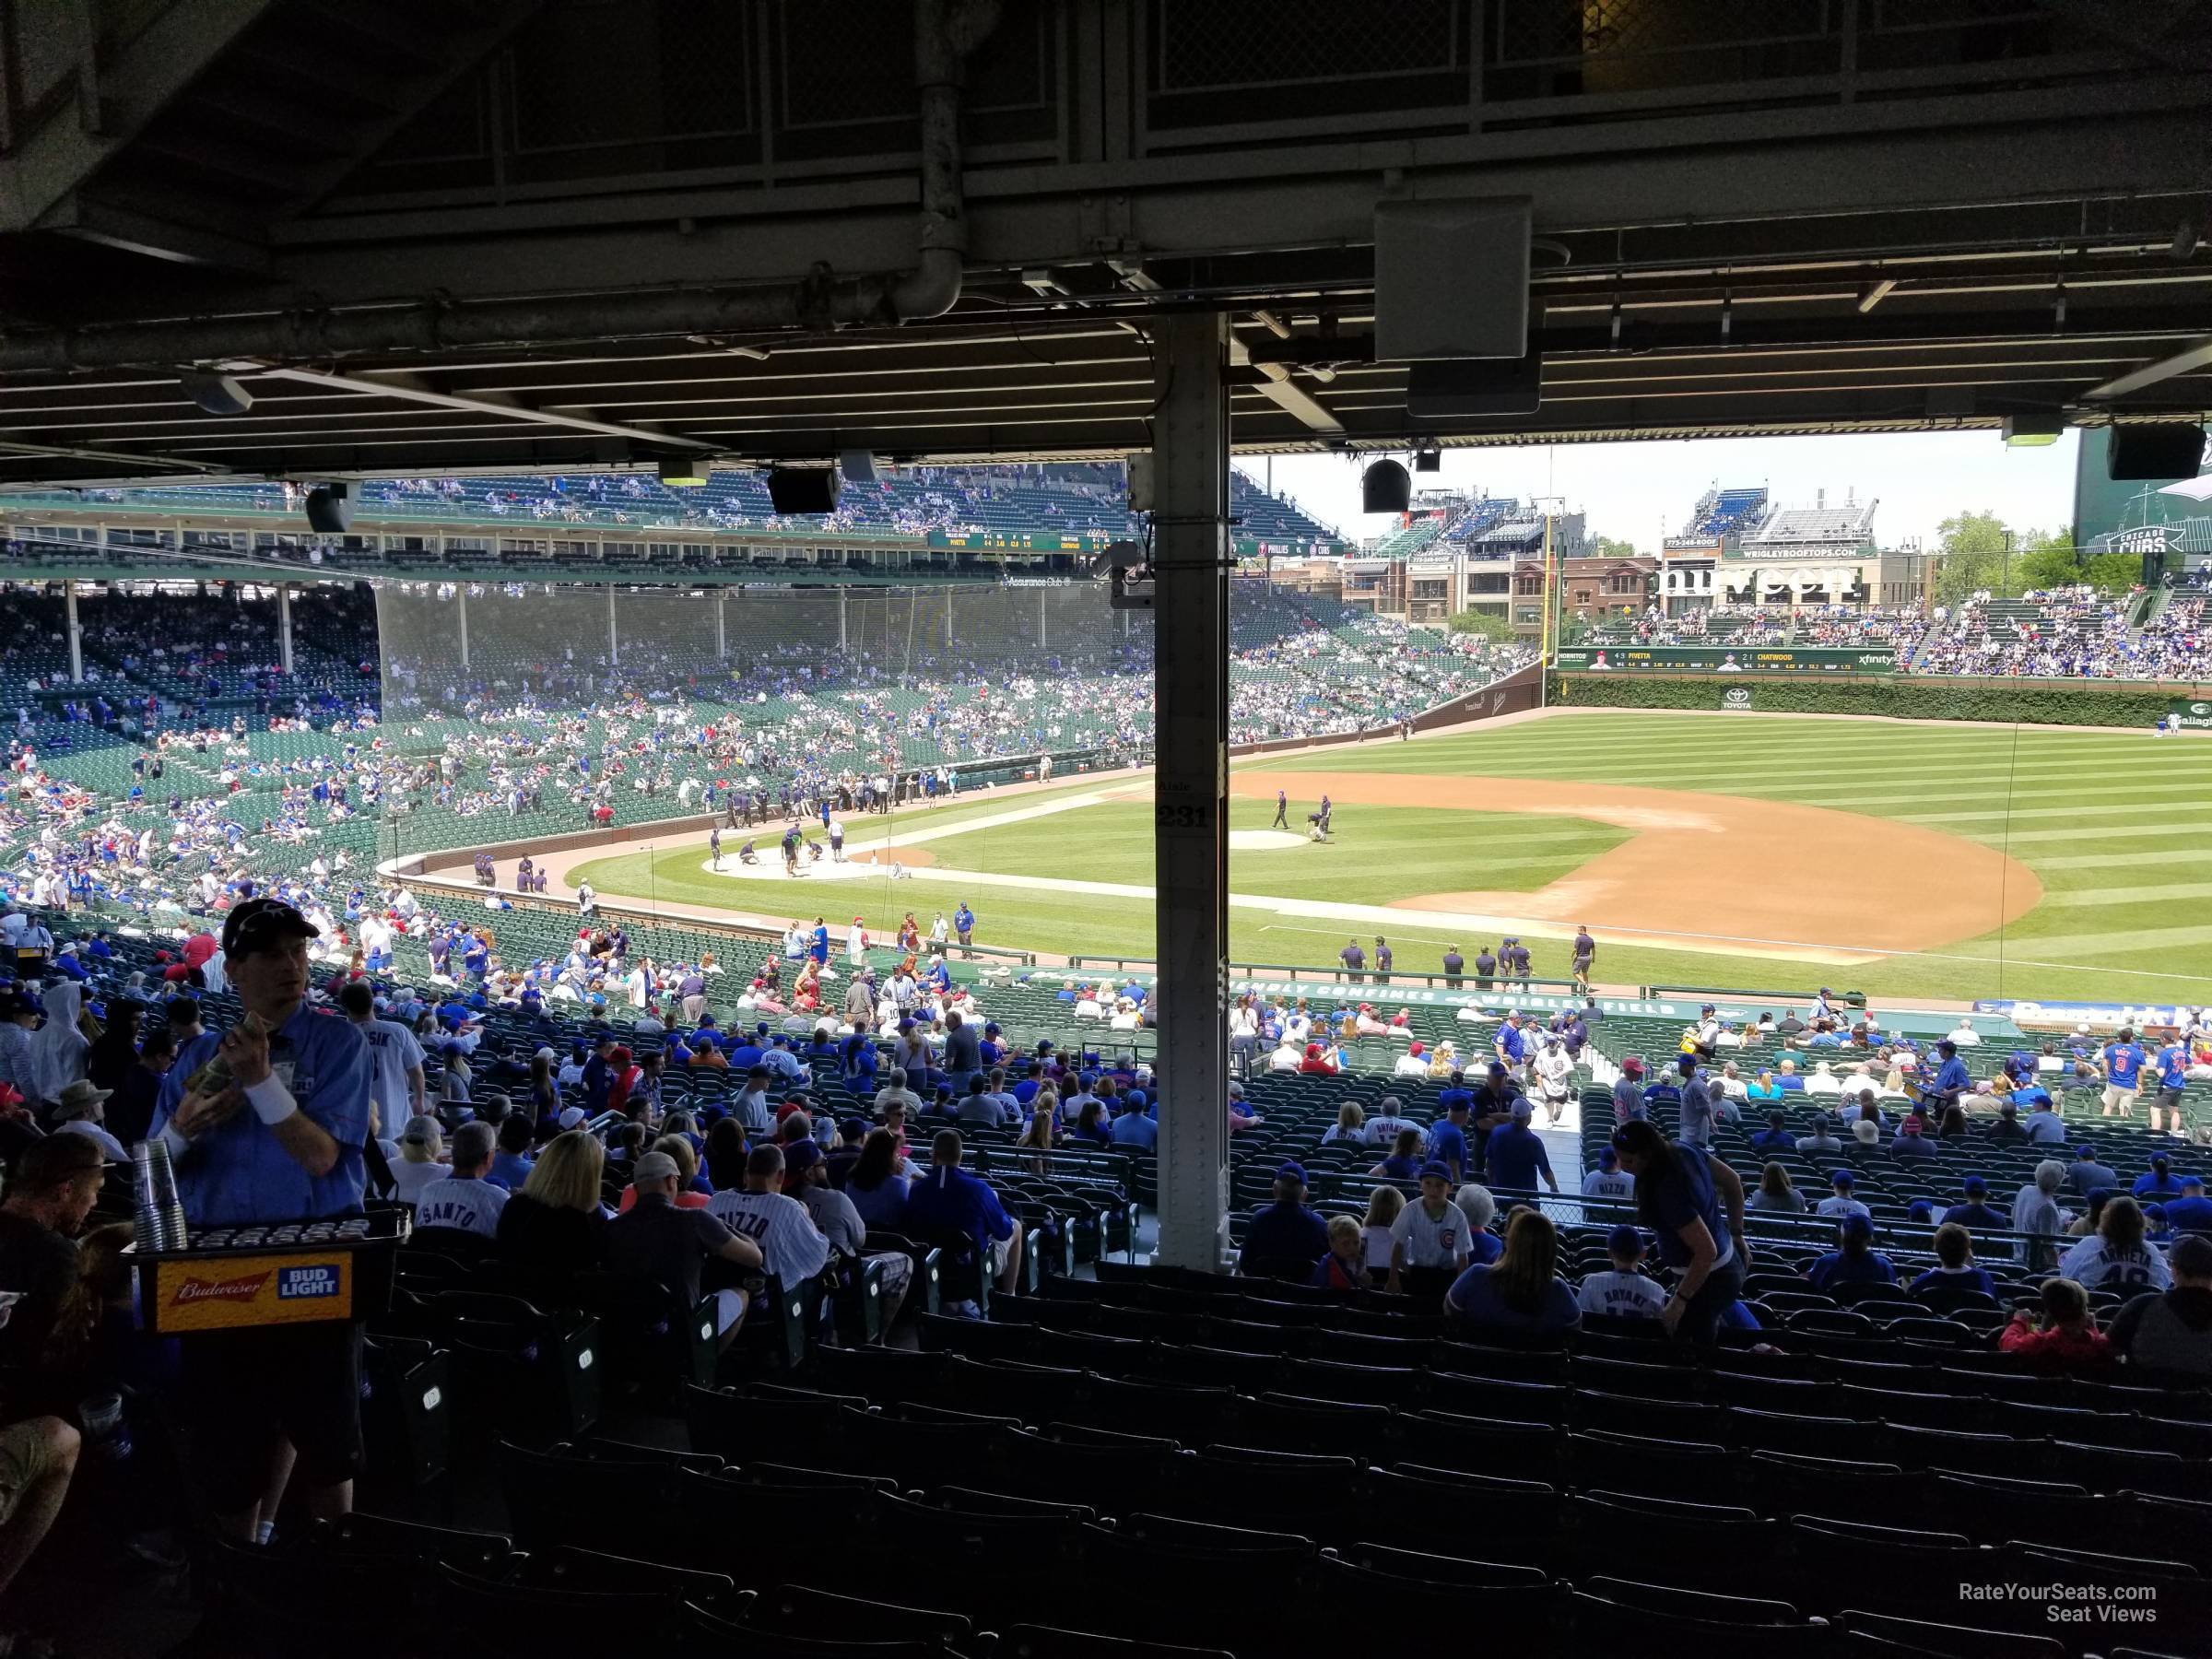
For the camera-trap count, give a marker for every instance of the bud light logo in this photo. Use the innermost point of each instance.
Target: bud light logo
(295, 1283)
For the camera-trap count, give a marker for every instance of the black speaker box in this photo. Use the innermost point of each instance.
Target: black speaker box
(1475, 388)
(1385, 487)
(330, 509)
(2170, 450)
(803, 488)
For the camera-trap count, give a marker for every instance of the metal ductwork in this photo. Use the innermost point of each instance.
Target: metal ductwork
(946, 33)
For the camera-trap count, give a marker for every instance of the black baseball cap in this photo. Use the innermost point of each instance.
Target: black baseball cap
(258, 923)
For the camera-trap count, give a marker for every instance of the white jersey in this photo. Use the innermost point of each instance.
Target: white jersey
(1609, 1184)
(1622, 1295)
(2096, 1262)
(792, 1247)
(393, 1052)
(1439, 1240)
(463, 1201)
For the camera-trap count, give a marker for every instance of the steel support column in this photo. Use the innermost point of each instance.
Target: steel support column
(1190, 517)
(76, 638)
(841, 646)
(614, 645)
(284, 625)
(1041, 593)
(461, 599)
(721, 625)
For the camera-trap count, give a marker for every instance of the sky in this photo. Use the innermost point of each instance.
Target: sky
(1636, 493)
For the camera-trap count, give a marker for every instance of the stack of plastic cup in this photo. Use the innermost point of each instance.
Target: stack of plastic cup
(161, 1224)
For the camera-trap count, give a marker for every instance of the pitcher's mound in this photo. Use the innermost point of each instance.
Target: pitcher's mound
(1261, 841)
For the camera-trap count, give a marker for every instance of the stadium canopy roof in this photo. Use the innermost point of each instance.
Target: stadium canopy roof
(435, 236)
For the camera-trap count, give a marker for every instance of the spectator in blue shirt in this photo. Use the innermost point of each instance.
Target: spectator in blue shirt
(2159, 1182)
(1694, 1204)
(511, 1163)
(2192, 1212)
(2043, 1126)
(1285, 1239)
(276, 1134)
(2123, 1061)
(1855, 1261)
(1976, 1211)
(1522, 1289)
(2085, 1175)
(1448, 1134)
(1775, 1138)
(946, 1201)
(1132, 1128)
(2172, 1063)
(1955, 1270)
(1942, 1083)
(1911, 1145)
(1516, 1154)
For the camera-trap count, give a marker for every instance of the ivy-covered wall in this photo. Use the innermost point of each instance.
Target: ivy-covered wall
(2101, 704)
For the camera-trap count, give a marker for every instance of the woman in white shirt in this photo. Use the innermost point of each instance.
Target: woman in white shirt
(1375, 1231)
(1349, 1126)
(421, 1147)
(1243, 1026)
(1287, 1056)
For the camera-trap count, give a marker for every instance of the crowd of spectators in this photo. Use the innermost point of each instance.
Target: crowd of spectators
(2061, 633)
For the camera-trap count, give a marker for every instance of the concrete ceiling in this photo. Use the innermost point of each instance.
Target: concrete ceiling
(512, 237)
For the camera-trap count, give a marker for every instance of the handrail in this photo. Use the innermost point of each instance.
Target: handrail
(1855, 999)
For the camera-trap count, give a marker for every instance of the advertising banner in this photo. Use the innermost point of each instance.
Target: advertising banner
(2189, 714)
(1736, 699)
(1724, 659)
(231, 1293)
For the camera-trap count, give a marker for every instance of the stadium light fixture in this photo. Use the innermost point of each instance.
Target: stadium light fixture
(688, 473)
(1428, 458)
(2033, 431)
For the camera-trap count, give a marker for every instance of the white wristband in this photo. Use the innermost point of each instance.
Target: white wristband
(271, 1100)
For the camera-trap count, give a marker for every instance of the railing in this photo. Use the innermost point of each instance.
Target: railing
(1337, 973)
(1854, 999)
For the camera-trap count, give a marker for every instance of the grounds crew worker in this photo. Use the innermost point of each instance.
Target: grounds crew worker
(277, 1139)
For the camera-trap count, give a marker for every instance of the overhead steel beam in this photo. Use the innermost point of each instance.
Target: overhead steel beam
(2196, 355)
(1275, 385)
(2029, 148)
(406, 388)
(133, 85)
(132, 458)
(89, 216)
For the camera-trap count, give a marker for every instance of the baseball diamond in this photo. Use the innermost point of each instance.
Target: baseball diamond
(1925, 859)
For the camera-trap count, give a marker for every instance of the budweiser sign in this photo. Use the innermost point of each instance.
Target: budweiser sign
(229, 1290)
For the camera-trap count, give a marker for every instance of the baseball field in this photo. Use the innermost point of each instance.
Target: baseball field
(1723, 849)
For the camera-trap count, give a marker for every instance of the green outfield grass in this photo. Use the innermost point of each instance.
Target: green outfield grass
(2116, 826)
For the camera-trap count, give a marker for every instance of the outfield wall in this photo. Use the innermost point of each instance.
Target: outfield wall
(2134, 704)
